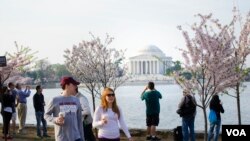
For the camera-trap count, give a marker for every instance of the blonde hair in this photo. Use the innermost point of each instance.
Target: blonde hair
(104, 102)
(186, 92)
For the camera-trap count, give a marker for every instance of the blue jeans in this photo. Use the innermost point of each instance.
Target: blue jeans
(214, 130)
(188, 128)
(39, 119)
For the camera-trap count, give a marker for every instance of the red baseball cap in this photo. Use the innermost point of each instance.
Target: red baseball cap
(67, 80)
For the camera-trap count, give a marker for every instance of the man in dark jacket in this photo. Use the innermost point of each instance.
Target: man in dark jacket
(13, 92)
(38, 101)
(188, 106)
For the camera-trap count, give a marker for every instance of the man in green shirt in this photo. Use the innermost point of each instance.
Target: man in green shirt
(151, 97)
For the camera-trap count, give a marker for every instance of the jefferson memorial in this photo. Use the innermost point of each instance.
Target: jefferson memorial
(149, 60)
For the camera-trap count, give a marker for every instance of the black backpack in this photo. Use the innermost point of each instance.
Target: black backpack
(188, 108)
(178, 133)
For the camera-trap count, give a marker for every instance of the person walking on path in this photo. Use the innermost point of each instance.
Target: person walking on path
(86, 117)
(216, 105)
(39, 103)
(66, 113)
(188, 106)
(11, 86)
(108, 117)
(6, 110)
(151, 97)
(22, 105)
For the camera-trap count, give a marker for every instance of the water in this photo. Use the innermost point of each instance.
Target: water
(128, 98)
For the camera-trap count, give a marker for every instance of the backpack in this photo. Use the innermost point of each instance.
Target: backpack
(188, 108)
(178, 133)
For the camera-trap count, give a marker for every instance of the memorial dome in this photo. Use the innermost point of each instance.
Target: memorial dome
(151, 50)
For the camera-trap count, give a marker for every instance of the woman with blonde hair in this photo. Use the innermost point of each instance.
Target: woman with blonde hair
(107, 116)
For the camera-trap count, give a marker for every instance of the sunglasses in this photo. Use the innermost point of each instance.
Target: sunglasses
(109, 95)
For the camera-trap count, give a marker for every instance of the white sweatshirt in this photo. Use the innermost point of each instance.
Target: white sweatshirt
(111, 129)
(86, 113)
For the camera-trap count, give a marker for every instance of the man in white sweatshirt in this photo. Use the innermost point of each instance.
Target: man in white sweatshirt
(86, 117)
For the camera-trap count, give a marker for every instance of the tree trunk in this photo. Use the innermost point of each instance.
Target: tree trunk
(238, 102)
(93, 100)
(205, 121)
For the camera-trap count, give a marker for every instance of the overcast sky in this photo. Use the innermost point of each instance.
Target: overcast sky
(51, 26)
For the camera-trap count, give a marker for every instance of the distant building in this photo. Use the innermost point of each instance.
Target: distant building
(149, 61)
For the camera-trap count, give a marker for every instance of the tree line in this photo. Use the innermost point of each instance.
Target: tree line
(214, 62)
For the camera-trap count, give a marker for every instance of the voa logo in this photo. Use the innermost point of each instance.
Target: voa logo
(236, 132)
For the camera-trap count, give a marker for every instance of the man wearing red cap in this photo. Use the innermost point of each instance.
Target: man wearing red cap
(66, 113)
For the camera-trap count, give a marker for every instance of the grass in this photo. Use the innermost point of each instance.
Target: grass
(137, 134)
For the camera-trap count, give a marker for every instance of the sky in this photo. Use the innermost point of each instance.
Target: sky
(52, 26)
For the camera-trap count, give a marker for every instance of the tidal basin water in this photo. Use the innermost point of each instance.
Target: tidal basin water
(128, 98)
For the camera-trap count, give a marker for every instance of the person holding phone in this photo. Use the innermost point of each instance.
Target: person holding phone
(151, 97)
(214, 130)
(22, 105)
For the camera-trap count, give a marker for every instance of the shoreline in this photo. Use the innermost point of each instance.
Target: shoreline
(28, 126)
(135, 131)
(137, 134)
(130, 82)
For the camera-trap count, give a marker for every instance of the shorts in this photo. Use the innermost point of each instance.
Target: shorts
(13, 116)
(152, 120)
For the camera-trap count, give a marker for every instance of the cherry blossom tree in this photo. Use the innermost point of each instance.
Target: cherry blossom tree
(17, 64)
(241, 44)
(212, 59)
(96, 65)
(44, 72)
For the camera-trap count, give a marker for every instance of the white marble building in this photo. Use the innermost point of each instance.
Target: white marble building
(149, 60)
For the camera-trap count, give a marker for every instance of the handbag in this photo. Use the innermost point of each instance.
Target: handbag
(212, 116)
(180, 112)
